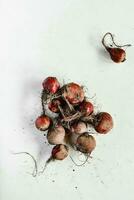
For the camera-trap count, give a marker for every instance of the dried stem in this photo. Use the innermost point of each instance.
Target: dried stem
(47, 162)
(42, 101)
(88, 119)
(69, 105)
(35, 171)
(72, 117)
(112, 37)
(79, 165)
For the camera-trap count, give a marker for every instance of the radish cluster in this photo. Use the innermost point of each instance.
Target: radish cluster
(71, 115)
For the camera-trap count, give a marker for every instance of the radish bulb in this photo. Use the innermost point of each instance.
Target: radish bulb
(78, 128)
(118, 55)
(60, 152)
(103, 122)
(86, 143)
(53, 105)
(43, 122)
(56, 135)
(51, 85)
(86, 108)
(73, 93)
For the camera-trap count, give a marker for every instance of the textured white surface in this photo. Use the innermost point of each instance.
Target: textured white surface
(39, 38)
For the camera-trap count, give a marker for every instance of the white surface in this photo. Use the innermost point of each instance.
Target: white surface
(62, 38)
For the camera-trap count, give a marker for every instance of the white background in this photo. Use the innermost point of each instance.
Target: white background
(62, 38)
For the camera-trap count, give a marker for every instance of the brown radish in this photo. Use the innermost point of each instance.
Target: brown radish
(86, 143)
(78, 128)
(60, 152)
(103, 122)
(56, 135)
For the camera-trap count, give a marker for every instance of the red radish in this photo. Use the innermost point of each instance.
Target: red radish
(60, 152)
(86, 143)
(53, 105)
(86, 108)
(117, 54)
(73, 93)
(51, 85)
(56, 135)
(78, 128)
(103, 122)
(43, 122)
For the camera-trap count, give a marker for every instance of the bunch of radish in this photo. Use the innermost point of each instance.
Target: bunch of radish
(71, 116)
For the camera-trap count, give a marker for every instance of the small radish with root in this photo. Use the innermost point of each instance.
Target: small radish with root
(116, 52)
(56, 135)
(103, 122)
(43, 122)
(60, 152)
(86, 143)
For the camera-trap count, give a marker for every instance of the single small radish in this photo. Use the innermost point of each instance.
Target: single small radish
(56, 135)
(103, 122)
(116, 52)
(73, 93)
(86, 143)
(86, 108)
(51, 85)
(78, 128)
(53, 105)
(60, 152)
(43, 122)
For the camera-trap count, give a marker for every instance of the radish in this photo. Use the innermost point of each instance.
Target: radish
(86, 108)
(116, 52)
(73, 93)
(60, 152)
(51, 85)
(118, 55)
(86, 143)
(54, 105)
(78, 128)
(56, 135)
(43, 122)
(103, 122)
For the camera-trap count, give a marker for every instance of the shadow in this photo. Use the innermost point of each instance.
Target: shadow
(30, 104)
(103, 55)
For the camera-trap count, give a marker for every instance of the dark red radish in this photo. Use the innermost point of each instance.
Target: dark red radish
(116, 52)
(56, 135)
(73, 93)
(86, 143)
(43, 122)
(51, 85)
(60, 152)
(54, 105)
(86, 108)
(103, 122)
